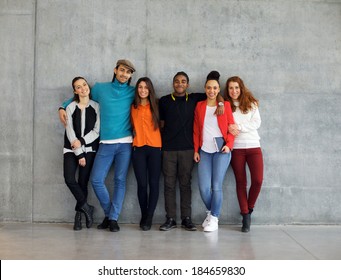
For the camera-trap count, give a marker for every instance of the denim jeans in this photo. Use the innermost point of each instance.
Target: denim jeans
(212, 168)
(107, 154)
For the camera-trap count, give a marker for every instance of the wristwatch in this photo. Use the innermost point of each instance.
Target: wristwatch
(221, 104)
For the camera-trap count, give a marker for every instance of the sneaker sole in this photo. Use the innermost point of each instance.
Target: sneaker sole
(167, 229)
(189, 229)
(210, 230)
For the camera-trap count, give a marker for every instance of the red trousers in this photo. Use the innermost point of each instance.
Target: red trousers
(254, 159)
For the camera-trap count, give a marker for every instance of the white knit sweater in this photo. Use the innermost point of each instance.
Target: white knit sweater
(248, 124)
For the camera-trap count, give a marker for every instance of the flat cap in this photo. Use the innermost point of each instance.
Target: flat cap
(127, 63)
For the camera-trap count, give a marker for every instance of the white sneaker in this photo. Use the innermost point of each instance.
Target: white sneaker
(212, 224)
(207, 219)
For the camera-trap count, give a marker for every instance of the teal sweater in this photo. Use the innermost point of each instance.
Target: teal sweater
(115, 101)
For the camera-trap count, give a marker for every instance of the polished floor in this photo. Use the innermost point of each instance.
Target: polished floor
(37, 241)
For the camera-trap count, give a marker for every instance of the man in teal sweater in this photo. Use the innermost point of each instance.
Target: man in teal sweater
(115, 99)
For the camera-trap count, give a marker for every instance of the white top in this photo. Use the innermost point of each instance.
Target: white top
(210, 130)
(248, 124)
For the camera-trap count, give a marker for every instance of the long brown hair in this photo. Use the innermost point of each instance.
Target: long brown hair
(246, 98)
(151, 97)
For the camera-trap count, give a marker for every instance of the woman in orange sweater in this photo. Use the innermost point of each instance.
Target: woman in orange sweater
(146, 156)
(213, 159)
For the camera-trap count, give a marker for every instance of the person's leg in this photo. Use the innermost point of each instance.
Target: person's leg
(83, 179)
(84, 173)
(254, 161)
(205, 178)
(220, 164)
(139, 160)
(169, 167)
(103, 160)
(154, 170)
(122, 161)
(238, 163)
(185, 167)
(70, 167)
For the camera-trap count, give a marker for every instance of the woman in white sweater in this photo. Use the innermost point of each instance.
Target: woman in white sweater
(246, 149)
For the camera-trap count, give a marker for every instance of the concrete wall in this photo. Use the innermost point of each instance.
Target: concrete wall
(287, 52)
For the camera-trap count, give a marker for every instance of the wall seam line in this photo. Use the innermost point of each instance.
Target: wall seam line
(33, 106)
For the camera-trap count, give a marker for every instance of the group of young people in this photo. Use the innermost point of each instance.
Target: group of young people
(116, 123)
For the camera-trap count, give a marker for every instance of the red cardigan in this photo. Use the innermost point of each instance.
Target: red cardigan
(223, 122)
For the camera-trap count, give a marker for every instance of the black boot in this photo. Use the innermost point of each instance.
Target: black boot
(88, 211)
(143, 220)
(78, 221)
(246, 222)
(148, 223)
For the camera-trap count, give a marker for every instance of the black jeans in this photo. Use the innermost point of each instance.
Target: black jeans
(79, 188)
(147, 169)
(178, 166)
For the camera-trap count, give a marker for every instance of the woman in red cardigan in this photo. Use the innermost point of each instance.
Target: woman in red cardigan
(212, 149)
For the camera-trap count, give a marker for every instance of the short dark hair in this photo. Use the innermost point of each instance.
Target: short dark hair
(181, 73)
(213, 75)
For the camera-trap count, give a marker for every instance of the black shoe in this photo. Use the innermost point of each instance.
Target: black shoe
(114, 226)
(143, 221)
(146, 227)
(88, 211)
(169, 224)
(78, 221)
(148, 223)
(188, 225)
(104, 224)
(246, 222)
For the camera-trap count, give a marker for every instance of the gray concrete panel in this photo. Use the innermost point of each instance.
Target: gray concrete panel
(16, 126)
(287, 53)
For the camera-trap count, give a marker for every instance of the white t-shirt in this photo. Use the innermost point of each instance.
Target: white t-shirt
(210, 130)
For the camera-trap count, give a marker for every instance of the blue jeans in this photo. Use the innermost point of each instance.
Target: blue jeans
(120, 155)
(212, 168)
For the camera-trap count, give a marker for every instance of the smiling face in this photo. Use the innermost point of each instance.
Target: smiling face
(81, 88)
(143, 90)
(123, 73)
(234, 90)
(212, 89)
(180, 85)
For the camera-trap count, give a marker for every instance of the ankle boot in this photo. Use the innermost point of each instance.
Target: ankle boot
(78, 221)
(246, 222)
(88, 211)
(143, 220)
(148, 223)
